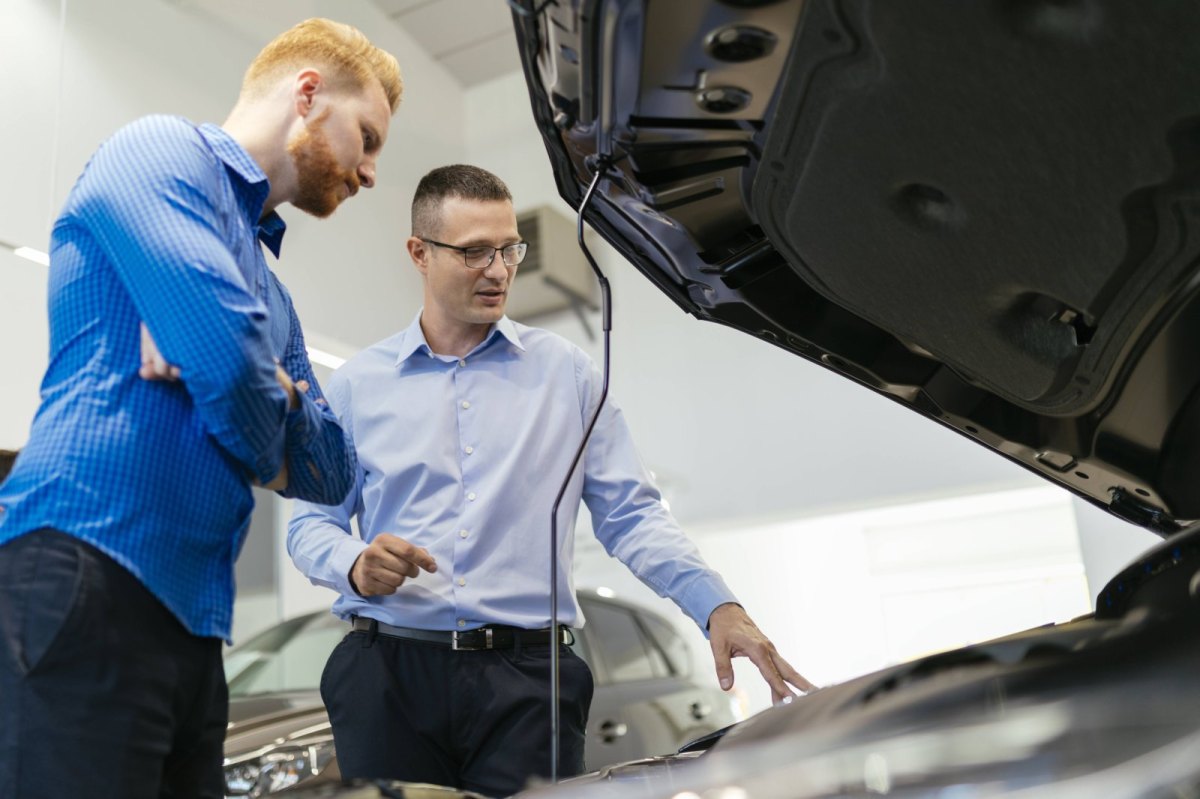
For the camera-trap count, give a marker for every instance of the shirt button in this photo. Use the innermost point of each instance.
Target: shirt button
(471, 496)
(462, 622)
(466, 404)
(462, 581)
(463, 533)
(469, 450)
(462, 363)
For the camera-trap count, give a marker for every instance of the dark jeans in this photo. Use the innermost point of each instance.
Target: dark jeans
(103, 693)
(479, 721)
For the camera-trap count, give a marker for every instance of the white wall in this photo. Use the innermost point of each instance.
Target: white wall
(847, 593)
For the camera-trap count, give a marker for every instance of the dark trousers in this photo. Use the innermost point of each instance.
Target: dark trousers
(103, 693)
(476, 720)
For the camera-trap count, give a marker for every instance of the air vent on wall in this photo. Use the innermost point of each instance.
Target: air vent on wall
(554, 275)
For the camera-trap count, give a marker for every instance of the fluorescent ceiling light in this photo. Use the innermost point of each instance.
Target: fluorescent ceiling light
(30, 254)
(324, 358)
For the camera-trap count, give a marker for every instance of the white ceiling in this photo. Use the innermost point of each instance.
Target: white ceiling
(473, 39)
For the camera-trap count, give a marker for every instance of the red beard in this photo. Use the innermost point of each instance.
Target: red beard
(319, 176)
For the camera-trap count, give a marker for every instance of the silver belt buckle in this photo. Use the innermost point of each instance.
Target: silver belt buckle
(455, 646)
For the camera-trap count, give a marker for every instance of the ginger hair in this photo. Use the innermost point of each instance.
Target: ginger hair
(348, 56)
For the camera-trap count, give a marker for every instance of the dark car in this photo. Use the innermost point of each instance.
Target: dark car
(649, 698)
(984, 212)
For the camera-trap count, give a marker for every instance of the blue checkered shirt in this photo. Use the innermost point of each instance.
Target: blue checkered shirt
(163, 227)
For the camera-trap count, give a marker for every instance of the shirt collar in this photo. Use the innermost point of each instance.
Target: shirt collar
(270, 232)
(270, 227)
(508, 329)
(413, 339)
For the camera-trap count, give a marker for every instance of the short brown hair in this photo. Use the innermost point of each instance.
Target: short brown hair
(341, 48)
(463, 181)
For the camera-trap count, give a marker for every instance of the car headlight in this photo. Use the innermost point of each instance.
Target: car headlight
(264, 773)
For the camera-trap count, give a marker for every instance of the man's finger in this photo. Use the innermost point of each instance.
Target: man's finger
(285, 382)
(761, 657)
(406, 567)
(154, 365)
(422, 558)
(280, 481)
(379, 578)
(390, 578)
(382, 564)
(406, 551)
(792, 676)
(723, 664)
(370, 578)
(376, 587)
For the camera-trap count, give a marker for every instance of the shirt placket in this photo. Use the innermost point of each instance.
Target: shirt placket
(471, 500)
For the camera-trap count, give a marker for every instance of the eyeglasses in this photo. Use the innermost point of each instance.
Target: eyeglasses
(481, 256)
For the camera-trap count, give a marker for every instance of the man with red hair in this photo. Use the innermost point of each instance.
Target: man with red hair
(178, 378)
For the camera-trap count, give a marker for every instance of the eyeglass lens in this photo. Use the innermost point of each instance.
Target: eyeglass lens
(481, 257)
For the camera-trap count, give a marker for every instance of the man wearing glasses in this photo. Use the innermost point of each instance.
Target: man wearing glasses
(465, 424)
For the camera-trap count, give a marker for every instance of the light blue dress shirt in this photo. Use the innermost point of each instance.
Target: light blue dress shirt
(163, 227)
(465, 457)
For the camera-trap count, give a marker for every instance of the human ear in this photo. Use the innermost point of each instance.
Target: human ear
(308, 85)
(419, 254)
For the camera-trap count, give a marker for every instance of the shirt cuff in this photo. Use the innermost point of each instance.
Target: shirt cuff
(704, 595)
(303, 423)
(342, 561)
(268, 465)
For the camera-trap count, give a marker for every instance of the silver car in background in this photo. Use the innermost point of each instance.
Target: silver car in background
(650, 697)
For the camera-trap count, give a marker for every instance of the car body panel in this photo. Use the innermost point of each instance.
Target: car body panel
(1107, 703)
(983, 211)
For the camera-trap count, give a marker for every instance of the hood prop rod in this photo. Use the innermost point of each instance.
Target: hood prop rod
(602, 166)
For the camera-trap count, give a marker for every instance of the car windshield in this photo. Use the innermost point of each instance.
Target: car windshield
(287, 657)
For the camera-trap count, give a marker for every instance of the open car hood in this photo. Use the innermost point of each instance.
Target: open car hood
(983, 211)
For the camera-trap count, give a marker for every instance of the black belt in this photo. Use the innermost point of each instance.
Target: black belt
(494, 636)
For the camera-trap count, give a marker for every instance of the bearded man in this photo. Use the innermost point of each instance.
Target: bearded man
(178, 378)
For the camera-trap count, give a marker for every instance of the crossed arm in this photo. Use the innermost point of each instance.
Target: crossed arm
(156, 368)
(318, 465)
